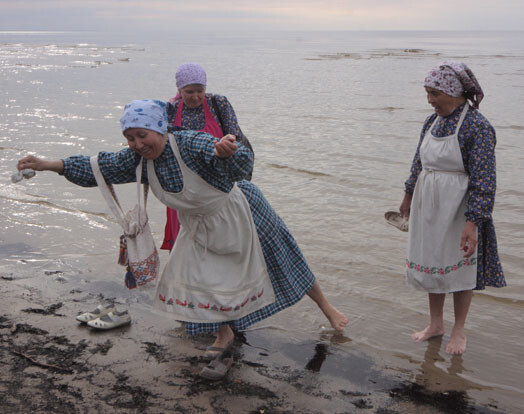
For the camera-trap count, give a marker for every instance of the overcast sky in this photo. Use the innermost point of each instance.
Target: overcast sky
(231, 15)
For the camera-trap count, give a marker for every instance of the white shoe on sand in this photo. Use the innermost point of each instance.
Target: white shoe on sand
(113, 319)
(101, 310)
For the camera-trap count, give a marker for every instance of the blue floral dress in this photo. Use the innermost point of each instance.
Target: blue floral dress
(477, 142)
(288, 270)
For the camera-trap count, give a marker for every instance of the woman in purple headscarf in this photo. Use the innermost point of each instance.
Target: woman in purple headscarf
(194, 109)
(449, 198)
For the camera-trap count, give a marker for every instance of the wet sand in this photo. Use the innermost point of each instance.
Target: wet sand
(53, 364)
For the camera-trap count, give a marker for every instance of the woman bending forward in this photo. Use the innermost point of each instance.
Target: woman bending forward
(234, 262)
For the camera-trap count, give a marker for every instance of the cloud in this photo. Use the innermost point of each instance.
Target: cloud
(134, 15)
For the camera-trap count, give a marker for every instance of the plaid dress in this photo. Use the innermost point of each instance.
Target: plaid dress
(288, 270)
(477, 142)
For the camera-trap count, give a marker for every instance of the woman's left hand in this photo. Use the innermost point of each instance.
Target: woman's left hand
(226, 147)
(468, 241)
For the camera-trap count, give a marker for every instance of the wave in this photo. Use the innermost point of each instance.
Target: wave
(514, 127)
(298, 170)
(50, 205)
(373, 54)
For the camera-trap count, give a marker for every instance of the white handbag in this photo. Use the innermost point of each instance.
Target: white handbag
(137, 247)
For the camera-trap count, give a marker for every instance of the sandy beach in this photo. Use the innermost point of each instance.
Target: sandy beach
(53, 364)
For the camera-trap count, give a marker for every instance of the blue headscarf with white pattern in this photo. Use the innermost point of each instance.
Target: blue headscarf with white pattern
(145, 113)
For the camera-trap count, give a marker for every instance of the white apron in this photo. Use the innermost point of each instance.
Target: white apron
(435, 262)
(216, 271)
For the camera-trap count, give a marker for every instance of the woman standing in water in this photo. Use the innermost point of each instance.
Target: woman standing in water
(449, 198)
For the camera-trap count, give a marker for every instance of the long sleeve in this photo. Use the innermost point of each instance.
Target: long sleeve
(116, 167)
(229, 120)
(230, 125)
(416, 165)
(198, 151)
(479, 155)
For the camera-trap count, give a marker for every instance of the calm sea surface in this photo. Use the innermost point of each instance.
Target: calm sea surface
(334, 119)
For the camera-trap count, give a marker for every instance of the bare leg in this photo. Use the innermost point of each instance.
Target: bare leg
(436, 318)
(457, 341)
(336, 318)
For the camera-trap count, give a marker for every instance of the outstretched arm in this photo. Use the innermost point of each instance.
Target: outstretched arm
(117, 167)
(39, 164)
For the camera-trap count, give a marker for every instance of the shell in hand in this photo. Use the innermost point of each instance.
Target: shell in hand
(20, 175)
(28, 173)
(17, 177)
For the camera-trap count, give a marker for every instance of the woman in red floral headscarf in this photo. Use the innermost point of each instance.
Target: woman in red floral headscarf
(449, 198)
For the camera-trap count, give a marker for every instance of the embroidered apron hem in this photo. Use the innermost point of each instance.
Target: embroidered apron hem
(211, 313)
(431, 270)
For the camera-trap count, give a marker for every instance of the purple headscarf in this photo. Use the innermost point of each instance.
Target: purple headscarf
(189, 74)
(455, 79)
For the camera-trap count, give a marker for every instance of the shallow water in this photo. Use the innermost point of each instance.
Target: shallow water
(334, 119)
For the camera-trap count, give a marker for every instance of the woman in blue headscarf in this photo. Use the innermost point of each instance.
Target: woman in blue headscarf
(234, 262)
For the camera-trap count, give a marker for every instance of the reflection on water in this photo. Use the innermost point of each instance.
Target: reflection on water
(441, 388)
(315, 363)
(434, 375)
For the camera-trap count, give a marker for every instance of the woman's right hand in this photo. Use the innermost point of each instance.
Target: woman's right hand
(405, 206)
(226, 147)
(38, 164)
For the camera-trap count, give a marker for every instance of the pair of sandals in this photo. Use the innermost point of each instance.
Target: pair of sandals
(105, 317)
(221, 360)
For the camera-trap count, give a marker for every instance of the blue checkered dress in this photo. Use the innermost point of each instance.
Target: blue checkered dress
(287, 267)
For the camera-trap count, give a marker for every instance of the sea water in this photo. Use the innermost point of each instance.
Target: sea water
(334, 118)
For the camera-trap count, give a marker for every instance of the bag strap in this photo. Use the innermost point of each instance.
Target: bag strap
(109, 193)
(138, 185)
(110, 196)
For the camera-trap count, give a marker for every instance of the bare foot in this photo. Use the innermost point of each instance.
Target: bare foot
(427, 333)
(457, 342)
(224, 336)
(336, 318)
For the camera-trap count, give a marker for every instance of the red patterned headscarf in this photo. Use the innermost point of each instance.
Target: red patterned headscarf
(455, 79)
